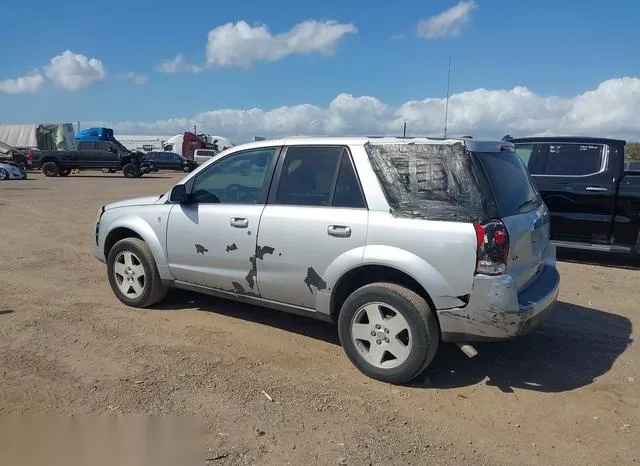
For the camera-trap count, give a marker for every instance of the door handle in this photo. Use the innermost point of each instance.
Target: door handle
(340, 231)
(599, 189)
(239, 222)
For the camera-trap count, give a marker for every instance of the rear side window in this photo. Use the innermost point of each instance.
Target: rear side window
(429, 181)
(524, 151)
(574, 159)
(318, 176)
(510, 181)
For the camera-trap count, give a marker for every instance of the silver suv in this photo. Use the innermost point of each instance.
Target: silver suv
(404, 243)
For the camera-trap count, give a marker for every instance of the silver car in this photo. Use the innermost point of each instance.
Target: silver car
(404, 243)
(11, 171)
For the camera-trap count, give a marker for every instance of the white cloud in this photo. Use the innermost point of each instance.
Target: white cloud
(29, 83)
(74, 71)
(449, 23)
(178, 64)
(136, 78)
(240, 45)
(612, 109)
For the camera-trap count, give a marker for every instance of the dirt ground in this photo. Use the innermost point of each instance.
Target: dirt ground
(568, 394)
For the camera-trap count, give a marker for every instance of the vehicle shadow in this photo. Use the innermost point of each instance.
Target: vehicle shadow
(573, 347)
(618, 261)
(312, 328)
(5, 311)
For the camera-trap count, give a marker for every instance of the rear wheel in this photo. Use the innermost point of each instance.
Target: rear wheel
(130, 170)
(133, 274)
(388, 332)
(50, 169)
(4, 175)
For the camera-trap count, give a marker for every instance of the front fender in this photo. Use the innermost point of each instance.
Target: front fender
(152, 235)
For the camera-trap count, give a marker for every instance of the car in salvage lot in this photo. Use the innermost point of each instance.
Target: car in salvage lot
(12, 171)
(403, 243)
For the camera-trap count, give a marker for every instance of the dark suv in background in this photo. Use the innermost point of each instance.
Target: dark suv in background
(170, 161)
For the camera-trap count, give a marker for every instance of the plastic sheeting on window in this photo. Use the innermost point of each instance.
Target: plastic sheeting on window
(430, 181)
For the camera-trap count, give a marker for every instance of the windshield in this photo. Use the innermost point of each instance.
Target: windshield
(510, 181)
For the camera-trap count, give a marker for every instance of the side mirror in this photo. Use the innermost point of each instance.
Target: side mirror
(179, 194)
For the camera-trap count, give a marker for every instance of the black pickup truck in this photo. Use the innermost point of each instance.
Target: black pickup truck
(92, 155)
(592, 195)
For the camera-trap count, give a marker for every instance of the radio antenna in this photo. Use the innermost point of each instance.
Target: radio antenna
(446, 105)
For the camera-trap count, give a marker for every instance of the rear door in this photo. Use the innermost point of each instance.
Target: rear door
(579, 191)
(521, 209)
(316, 213)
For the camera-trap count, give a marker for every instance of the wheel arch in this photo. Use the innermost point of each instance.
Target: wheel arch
(132, 227)
(372, 273)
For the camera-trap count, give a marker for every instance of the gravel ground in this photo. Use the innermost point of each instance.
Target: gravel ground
(568, 394)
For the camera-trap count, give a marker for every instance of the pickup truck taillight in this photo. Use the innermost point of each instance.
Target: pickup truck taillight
(492, 248)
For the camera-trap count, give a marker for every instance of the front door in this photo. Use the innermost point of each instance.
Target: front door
(314, 216)
(211, 240)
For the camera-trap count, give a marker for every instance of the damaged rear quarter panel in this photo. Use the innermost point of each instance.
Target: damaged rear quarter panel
(423, 199)
(441, 256)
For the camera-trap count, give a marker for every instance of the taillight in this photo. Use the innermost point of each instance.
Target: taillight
(493, 247)
(30, 155)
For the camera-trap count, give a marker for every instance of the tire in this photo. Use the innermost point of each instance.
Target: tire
(417, 335)
(4, 175)
(64, 172)
(50, 169)
(130, 170)
(186, 169)
(134, 255)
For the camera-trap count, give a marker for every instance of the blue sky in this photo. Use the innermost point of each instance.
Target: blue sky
(553, 48)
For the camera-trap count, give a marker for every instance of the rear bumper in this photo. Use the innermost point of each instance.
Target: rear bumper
(497, 311)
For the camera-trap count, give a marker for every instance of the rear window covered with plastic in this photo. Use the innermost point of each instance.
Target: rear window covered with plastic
(510, 181)
(429, 181)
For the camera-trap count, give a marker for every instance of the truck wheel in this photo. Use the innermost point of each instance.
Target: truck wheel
(133, 274)
(130, 170)
(50, 169)
(64, 172)
(388, 332)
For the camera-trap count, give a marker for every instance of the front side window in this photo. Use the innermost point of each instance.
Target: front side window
(574, 159)
(237, 179)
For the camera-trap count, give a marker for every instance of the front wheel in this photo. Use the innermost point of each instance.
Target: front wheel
(130, 170)
(388, 332)
(133, 274)
(4, 175)
(50, 169)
